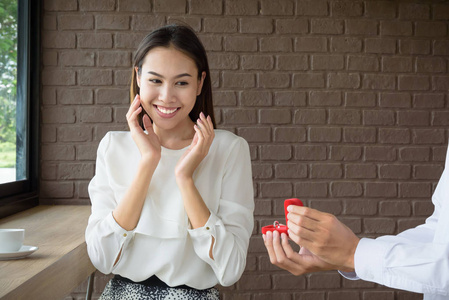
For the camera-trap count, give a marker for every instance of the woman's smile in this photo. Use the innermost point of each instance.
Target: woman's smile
(166, 112)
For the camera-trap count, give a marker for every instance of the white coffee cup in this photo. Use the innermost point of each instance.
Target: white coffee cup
(11, 240)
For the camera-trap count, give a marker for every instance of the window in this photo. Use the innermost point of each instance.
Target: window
(19, 104)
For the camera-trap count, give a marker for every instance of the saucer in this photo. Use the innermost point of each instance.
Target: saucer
(23, 252)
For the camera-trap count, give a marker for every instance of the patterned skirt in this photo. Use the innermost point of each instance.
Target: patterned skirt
(120, 288)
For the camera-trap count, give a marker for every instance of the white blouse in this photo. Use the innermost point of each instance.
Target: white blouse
(163, 243)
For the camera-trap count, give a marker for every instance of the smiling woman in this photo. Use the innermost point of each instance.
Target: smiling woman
(173, 184)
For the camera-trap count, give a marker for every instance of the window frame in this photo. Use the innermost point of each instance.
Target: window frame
(23, 194)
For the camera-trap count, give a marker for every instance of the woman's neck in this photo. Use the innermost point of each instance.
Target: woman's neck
(176, 138)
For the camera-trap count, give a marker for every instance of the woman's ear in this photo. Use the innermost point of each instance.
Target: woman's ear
(136, 69)
(201, 82)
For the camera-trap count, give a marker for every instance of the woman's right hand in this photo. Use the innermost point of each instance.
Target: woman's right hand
(148, 143)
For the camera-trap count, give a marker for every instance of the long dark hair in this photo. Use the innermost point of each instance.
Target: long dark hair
(184, 39)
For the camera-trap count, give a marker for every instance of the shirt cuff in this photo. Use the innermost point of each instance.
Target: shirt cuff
(123, 234)
(369, 259)
(207, 229)
(349, 275)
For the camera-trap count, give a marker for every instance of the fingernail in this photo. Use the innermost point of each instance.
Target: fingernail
(289, 208)
(263, 236)
(202, 115)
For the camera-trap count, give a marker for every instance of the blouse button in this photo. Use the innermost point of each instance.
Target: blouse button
(207, 228)
(125, 235)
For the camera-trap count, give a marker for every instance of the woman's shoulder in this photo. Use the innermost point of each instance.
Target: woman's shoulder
(228, 139)
(116, 139)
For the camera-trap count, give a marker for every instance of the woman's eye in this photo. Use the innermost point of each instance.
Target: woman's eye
(182, 83)
(155, 81)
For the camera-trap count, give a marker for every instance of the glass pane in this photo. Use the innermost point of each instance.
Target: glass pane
(8, 90)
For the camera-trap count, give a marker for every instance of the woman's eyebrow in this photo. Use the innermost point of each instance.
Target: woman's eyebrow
(177, 76)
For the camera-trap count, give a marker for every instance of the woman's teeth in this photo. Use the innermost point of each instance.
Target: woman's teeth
(166, 111)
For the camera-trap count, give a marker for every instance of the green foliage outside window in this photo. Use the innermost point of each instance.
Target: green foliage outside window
(8, 82)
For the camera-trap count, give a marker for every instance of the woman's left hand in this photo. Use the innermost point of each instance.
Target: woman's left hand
(198, 149)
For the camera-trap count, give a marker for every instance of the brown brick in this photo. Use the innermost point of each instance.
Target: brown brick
(395, 171)
(95, 40)
(256, 98)
(379, 225)
(192, 21)
(212, 42)
(440, 118)
(254, 282)
(380, 153)
(309, 80)
(414, 190)
(361, 27)
(100, 5)
(303, 295)
(278, 8)
(440, 83)
(243, 8)
(257, 62)
(292, 62)
(326, 26)
(441, 47)
(59, 40)
(346, 8)
(397, 64)
(86, 152)
(326, 171)
(205, 7)
(428, 136)
(413, 82)
(262, 171)
(413, 118)
(238, 80)
(380, 189)
(360, 207)
(74, 133)
(289, 134)
(414, 11)
(286, 281)
(112, 96)
(427, 172)
(58, 77)
(49, 96)
(346, 44)
(276, 44)
(363, 63)
(344, 117)
(275, 152)
(290, 98)
(414, 154)
(60, 5)
(95, 77)
(324, 134)
(127, 40)
(430, 29)
(414, 46)
(222, 61)
(95, 114)
(319, 98)
(114, 59)
(396, 28)
(428, 100)
(347, 295)
(48, 133)
(268, 296)
(56, 189)
(380, 45)
(239, 43)
(289, 170)
(292, 26)
(346, 189)
(275, 116)
(320, 280)
(430, 65)
(379, 82)
(422, 208)
(378, 117)
(440, 11)
(310, 152)
(375, 295)
(359, 135)
(119, 115)
(312, 8)
(170, 6)
(404, 225)
(380, 9)
(76, 58)
(221, 25)
(112, 22)
(50, 58)
(75, 22)
(310, 189)
(147, 23)
(256, 25)
(135, 5)
(310, 116)
(255, 134)
(361, 171)
(343, 80)
(439, 153)
(276, 189)
(122, 77)
(58, 152)
(394, 136)
(395, 100)
(75, 170)
(311, 44)
(345, 153)
(274, 80)
(61, 115)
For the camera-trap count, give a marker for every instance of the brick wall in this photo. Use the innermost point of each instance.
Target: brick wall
(344, 104)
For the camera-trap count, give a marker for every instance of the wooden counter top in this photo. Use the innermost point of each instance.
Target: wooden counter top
(61, 262)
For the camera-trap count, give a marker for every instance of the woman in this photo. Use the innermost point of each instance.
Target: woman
(172, 199)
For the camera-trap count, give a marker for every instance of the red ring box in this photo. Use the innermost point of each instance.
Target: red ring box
(283, 228)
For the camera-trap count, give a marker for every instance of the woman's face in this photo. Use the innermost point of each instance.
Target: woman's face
(169, 86)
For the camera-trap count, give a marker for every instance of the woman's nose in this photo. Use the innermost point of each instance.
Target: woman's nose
(166, 94)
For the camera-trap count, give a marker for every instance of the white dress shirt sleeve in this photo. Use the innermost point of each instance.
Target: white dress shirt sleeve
(232, 226)
(415, 260)
(105, 238)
